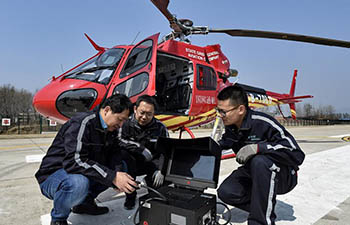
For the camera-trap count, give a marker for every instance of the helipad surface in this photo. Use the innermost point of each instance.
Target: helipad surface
(321, 197)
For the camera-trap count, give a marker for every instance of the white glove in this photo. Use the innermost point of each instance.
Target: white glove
(147, 154)
(158, 178)
(246, 152)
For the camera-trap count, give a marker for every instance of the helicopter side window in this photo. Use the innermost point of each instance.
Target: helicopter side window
(99, 69)
(133, 86)
(206, 78)
(138, 58)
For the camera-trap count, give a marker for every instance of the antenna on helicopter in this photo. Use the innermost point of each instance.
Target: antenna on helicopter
(135, 38)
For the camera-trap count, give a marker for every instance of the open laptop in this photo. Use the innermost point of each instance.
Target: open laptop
(192, 165)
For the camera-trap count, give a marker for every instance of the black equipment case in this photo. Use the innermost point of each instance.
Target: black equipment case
(191, 165)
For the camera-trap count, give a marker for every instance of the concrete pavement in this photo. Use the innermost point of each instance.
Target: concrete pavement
(322, 196)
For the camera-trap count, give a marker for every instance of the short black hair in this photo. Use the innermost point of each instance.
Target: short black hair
(236, 94)
(118, 103)
(148, 99)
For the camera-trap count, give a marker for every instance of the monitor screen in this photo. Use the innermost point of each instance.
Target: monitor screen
(191, 163)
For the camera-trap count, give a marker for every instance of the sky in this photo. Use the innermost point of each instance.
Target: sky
(42, 38)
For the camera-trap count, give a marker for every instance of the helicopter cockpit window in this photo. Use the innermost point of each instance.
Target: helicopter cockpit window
(99, 69)
(133, 86)
(206, 78)
(138, 58)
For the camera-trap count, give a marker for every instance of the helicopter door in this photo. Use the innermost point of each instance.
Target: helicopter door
(205, 89)
(138, 74)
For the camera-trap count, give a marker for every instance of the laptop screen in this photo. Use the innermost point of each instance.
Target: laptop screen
(191, 163)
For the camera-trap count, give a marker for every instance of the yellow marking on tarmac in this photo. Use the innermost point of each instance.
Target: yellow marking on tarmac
(344, 138)
(341, 135)
(23, 146)
(347, 138)
(312, 137)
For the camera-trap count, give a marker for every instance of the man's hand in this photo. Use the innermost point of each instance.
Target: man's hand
(124, 182)
(246, 152)
(158, 179)
(147, 154)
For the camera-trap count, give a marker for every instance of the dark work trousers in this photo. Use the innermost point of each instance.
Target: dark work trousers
(253, 187)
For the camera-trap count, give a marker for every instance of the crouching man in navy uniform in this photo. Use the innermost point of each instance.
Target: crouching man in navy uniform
(268, 153)
(138, 137)
(84, 160)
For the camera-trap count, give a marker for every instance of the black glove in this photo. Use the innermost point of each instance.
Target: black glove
(132, 148)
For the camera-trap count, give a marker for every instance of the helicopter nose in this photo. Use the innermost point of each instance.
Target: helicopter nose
(57, 102)
(44, 103)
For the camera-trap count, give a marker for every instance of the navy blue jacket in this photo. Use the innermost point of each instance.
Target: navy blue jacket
(135, 138)
(272, 138)
(82, 146)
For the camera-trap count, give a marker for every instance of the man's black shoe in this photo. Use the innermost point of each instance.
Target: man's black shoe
(64, 222)
(89, 207)
(129, 203)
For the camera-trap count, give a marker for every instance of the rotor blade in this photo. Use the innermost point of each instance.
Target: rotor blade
(282, 36)
(162, 5)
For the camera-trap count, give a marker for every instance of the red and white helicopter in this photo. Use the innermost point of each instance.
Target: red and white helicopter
(184, 78)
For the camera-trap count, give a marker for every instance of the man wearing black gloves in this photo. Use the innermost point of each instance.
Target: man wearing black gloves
(138, 136)
(268, 153)
(84, 160)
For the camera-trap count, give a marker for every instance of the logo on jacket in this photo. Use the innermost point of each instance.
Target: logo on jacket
(253, 138)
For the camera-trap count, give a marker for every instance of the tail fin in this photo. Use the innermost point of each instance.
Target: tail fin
(294, 81)
(290, 98)
(291, 94)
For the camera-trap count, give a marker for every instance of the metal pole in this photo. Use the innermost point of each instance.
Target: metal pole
(41, 124)
(19, 124)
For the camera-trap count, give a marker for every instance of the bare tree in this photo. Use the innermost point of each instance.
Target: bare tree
(299, 110)
(13, 101)
(308, 110)
(330, 112)
(346, 116)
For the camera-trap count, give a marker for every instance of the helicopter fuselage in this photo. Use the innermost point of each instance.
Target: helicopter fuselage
(184, 79)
